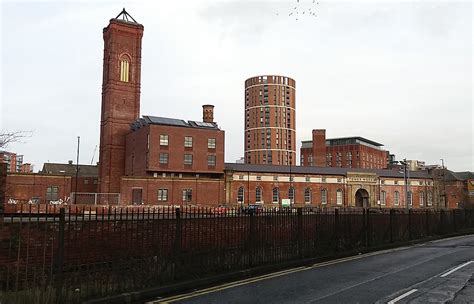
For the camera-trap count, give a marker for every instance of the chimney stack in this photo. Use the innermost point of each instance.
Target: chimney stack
(208, 113)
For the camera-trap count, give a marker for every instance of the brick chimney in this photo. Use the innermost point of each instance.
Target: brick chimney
(208, 113)
(319, 148)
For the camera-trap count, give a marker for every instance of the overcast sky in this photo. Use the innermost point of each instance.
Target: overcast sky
(399, 73)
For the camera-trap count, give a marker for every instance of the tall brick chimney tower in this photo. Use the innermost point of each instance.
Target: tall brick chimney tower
(208, 113)
(120, 96)
(319, 148)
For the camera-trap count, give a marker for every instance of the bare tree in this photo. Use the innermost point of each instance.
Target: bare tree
(7, 137)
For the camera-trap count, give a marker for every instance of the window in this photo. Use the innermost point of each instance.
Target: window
(52, 193)
(339, 197)
(396, 198)
(258, 194)
(275, 177)
(409, 197)
(211, 160)
(188, 159)
(291, 194)
(188, 141)
(430, 199)
(187, 195)
(307, 196)
(241, 177)
(240, 195)
(162, 195)
(163, 139)
(124, 70)
(324, 197)
(383, 198)
(276, 195)
(422, 198)
(86, 182)
(211, 143)
(308, 179)
(163, 158)
(323, 179)
(259, 177)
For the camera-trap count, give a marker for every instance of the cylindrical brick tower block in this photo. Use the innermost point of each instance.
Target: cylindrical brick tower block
(270, 120)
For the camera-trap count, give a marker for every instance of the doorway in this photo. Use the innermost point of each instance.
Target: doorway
(362, 198)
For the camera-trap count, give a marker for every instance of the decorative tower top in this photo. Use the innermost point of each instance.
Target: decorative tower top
(125, 17)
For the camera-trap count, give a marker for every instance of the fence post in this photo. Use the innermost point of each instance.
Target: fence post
(454, 220)
(60, 257)
(300, 232)
(95, 199)
(364, 227)
(427, 222)
(178, 235)
(409, 224)
(441, 222)
(391, 224)
(251, 238)
(336, 229)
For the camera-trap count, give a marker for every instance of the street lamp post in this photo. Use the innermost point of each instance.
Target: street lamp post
(445, 201)
(291, 186)
(405, 180)
(77, 168)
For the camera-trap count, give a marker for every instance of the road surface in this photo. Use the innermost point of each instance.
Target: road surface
(434, 272)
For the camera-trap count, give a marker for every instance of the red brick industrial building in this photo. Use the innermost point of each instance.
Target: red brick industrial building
(346, 152)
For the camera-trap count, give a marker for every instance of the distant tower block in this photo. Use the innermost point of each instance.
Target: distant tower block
(270, 120)
(208, 113)
(120, 96)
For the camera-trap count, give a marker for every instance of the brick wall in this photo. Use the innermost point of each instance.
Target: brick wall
(145, 161)
(25, 186)
(205, 191)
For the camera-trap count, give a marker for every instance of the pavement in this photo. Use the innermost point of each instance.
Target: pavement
(466, 294)
(434, 272)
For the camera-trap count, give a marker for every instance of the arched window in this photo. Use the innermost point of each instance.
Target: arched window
(339, 197)
(422, 198)
(383, 198)
(291, 195)
(324, 197)
(258, 194)
(307, 196)
(396, 198)
(410, 198)
(240, 195)
(124, 69)
(276, 195)
(430, 198)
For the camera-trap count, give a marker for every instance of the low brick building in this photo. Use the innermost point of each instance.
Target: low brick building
(326, 187)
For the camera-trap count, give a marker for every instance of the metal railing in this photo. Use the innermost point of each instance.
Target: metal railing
(73, 253)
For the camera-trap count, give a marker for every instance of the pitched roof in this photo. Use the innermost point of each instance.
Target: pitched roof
(155, 120)
(69, 169)
(459, 176)
(321, 170)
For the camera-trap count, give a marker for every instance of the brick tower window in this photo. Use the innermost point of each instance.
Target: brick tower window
(124, 69)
